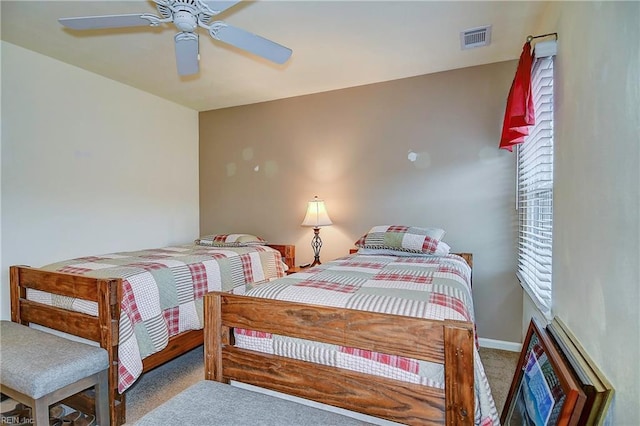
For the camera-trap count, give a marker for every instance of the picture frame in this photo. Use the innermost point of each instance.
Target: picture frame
(598, 390)
(543, 390)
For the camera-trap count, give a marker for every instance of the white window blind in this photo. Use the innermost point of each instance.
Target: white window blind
(535, 191)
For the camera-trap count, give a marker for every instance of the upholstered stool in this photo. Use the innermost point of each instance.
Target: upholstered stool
(39, 369)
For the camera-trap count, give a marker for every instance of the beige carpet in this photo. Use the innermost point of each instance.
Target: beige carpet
(161, 384)
(499, 367)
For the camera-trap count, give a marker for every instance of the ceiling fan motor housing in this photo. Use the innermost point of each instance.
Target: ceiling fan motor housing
(185, 21)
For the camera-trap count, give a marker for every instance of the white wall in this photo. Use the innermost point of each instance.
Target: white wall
(596, 272)
(89, 165)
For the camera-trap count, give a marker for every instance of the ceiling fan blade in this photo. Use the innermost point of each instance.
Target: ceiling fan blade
(250, 42)
(219, 6)
(187, 53)
(106, 21)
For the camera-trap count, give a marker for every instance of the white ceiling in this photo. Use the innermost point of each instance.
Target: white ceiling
(336, 44)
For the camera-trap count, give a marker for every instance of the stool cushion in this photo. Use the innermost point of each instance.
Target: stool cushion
(213, 403)
(37, 363)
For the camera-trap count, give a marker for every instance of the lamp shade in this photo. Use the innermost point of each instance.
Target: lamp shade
(316, 214)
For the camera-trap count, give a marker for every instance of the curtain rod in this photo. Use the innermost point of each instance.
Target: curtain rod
(529, 38)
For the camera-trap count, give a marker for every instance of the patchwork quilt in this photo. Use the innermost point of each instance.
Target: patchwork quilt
(435, 287)
(162, 291)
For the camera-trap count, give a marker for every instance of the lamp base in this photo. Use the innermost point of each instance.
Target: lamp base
(316, 243)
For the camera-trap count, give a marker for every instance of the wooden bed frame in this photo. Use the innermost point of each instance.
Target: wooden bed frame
(103, 329)
(445, 342)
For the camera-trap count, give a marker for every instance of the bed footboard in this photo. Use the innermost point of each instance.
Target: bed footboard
(445, 342)
(102, 329)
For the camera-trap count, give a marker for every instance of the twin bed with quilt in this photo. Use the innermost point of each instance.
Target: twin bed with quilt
(391, 327)
(143, 307)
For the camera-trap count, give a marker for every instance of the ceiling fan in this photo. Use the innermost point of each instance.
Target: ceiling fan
(187, 16)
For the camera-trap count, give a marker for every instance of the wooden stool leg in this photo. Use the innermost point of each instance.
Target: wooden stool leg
(102, 399)
(40, 412)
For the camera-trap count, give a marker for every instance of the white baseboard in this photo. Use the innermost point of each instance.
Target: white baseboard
(500, 344)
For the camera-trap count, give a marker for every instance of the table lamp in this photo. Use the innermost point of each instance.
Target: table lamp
(316, 216)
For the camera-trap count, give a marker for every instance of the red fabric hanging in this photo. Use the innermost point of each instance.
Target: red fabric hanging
(519, 114)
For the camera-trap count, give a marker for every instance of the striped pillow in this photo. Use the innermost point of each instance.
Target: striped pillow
(403, 238)
(230, 240)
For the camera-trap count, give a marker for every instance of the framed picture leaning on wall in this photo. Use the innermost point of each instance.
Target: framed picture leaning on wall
(594, 384)
(543, 390)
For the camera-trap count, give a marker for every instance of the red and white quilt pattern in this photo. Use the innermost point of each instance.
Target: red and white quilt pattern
(162, 291)
(435, 287)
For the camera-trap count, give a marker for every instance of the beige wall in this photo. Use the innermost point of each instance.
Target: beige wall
(89, 166)
(261, 163)
(596, 259)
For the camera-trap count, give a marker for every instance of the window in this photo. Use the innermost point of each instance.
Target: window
(535, 191)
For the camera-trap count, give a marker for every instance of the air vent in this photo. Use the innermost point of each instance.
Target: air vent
(475, 37)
